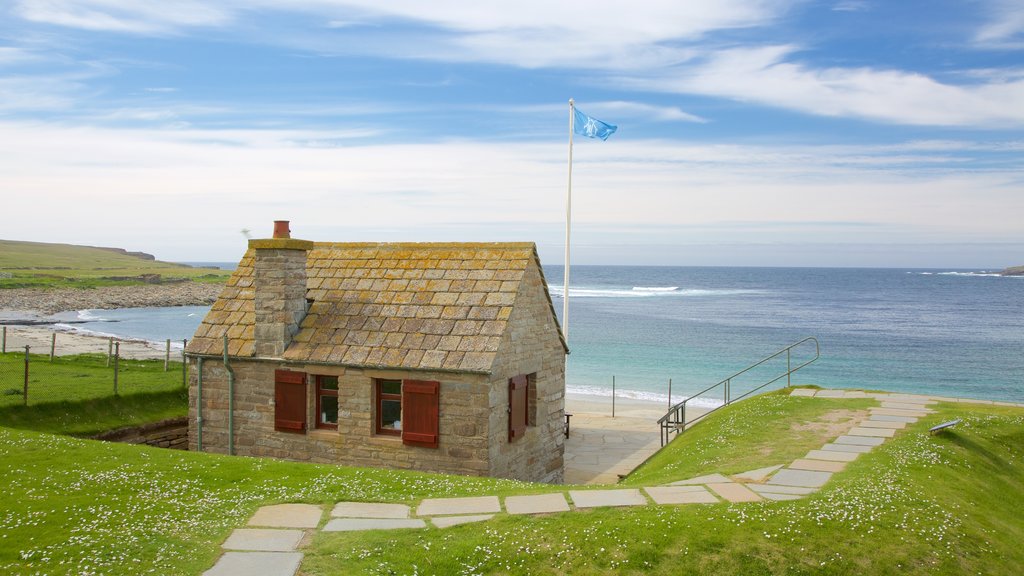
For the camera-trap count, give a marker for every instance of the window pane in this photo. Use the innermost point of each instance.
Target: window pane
(328, 382)
(328, 409)
(391, 414)
(391, 386)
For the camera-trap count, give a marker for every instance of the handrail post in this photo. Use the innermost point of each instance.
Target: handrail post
(789, 369)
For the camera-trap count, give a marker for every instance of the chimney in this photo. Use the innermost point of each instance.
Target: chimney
(279, 285)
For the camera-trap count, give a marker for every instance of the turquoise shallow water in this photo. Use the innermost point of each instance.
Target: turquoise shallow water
(947, 332)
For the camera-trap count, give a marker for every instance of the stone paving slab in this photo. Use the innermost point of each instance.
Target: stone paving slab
(596, 498)
(898, 412)
(780, 489)
(759, 475)
(263, 539)
(702, 480)
(830, 394)
(449, 521)
(536, 504)
(876, 432)
(847, 448)
(779, 496)
(680, 495)
(888, 418)
(287, 516)
(872, 423)
(850, 394)
(358, 524)
(801, 478)
(859, 440)
(369, 510)
(819, 465)
(256, 564)
(803, 392)
(905, 406)
(449, 506)
(734, 492)
(833, 456)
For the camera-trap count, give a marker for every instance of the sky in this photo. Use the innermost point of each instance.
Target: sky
(750, 133)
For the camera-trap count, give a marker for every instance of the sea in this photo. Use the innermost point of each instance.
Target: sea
(665, 333)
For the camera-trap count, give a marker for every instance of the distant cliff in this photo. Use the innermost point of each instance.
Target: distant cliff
(1013, 271)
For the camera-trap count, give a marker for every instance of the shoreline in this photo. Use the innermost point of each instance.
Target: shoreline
(34, 305)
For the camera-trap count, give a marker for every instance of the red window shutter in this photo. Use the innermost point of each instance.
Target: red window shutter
(420, 413)
(517, 388)
(289, 401)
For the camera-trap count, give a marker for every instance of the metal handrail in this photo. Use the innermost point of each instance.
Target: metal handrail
(675, 419)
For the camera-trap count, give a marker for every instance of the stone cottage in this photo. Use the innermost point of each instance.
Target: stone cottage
(427, 356)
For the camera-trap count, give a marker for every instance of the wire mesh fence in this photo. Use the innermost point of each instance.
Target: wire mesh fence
(36, 374)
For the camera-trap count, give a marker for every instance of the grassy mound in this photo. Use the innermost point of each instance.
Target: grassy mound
(919, 504)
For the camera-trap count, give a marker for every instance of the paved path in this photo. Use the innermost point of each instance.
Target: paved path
(601, 449)
(271, 544)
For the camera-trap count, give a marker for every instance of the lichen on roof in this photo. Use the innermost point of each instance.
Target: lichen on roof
(398, 305)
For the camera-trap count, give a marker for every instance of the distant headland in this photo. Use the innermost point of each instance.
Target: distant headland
(1013, 271)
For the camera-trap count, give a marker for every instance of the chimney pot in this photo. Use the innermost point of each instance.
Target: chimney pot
(281, 229)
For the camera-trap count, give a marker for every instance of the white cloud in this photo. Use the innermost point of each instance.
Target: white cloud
(1005, 24)
(129, 16)
(143, 183)
(851, 6)
(771, 76)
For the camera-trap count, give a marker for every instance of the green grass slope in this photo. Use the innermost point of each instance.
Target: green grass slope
(919, 504)
(38, 264)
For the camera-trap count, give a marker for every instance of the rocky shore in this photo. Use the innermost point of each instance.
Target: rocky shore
(51, 301)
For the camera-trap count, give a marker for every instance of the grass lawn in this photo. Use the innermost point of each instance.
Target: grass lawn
(81, 377)
(91, 417)
(919, 504)
(42, 265)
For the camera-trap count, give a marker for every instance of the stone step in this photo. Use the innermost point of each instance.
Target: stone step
(872, 423)
(847, 448)
(888, 418)
(898, 412)
(450, 506)
(800, 478)
(360, 524)
(833, 456)
(263, 539)
(906, 406)
(706, 479)
(819, 465)
(680, 495)
(734, 492)
(449, 521)
(598, 498)
(369, 510)
(859, 440)
(876, 432)
(256, 564)
(780, 489)
(536, 504)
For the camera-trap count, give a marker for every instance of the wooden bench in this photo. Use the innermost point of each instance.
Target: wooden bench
(943, 426)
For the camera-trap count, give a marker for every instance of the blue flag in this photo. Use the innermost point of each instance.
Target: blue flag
(591, 127)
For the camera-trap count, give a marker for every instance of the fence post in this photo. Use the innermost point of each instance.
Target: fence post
(53, 344)
(167, 355)
(110, 350)
(3, 342)
(184, 364)
(117, 354)
(669, 393)
(613, 396)
(24, 391)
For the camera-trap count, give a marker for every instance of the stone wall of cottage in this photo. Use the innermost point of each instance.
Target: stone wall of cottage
(530, 346)
(463, 419)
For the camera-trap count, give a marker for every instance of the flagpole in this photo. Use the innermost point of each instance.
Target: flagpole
(568, 220)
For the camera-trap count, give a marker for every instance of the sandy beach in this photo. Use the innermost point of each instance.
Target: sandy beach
(69, 343)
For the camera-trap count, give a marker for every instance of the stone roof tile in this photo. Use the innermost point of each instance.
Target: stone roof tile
(402, 305)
